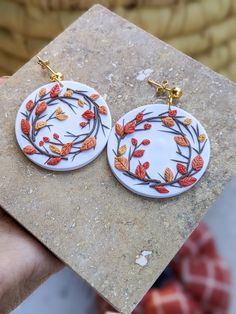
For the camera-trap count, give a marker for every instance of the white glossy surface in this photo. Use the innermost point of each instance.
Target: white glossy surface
(72, 125)
(159, 152)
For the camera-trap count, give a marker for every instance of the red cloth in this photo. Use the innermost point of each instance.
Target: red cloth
(170, 299)
(203, 273)
(202, 284)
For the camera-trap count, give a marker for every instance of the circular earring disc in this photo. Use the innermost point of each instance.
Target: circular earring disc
(158, 153)
(63, 128)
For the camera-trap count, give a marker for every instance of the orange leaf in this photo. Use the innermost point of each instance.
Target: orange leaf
(89, 143)
(121, 163)
(55, 149)
(41, 108)
(83, 124)
(187, 181)
(119, 129)
(122, 150)
(88, 115)
(197, 163)
(181, 168)
(94, 97)
(29, 150)
(58, 110)
(62, 116)
(81, 103)
(102, 110)
(140, 172)
(25, 126)
(168, 121)
(146, 164)
(168, 174)
(202, 137)
(66, 148)
(54, 161)
(147, 126)
(54, 92)
(139, 117)
(129, 128)
(138, 153)
(161, 189)
(30, 105)
(68, 93)
(172, 113)
(42, 92)
(40, 124)
(182, 141)
(146, 141)
(187, 121)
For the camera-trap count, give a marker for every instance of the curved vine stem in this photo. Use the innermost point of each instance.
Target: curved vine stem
(97, 122)
(154, 182)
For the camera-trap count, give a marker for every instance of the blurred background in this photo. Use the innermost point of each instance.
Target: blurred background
(203, 29)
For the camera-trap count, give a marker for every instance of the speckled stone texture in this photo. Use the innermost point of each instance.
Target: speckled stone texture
(86, 217)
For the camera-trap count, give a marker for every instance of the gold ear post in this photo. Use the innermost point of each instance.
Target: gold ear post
(54, 76)
(164, 88)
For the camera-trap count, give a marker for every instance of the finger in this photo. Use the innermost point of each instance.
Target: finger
(3, 79)
(24, 263)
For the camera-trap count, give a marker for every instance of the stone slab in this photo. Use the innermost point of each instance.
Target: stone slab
(86, 217)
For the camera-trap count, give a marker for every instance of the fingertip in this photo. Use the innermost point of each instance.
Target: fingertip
(3, 79)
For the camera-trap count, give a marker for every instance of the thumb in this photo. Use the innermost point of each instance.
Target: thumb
(3, 79)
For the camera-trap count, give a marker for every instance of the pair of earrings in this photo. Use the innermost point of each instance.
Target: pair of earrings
(157, 150)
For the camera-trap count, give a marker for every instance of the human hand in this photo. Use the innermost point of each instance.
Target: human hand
(24, 262)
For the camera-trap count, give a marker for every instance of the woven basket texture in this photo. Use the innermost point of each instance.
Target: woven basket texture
(203, 29)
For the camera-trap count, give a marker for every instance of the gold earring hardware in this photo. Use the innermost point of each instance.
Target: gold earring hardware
(164, 88)
(54, 76)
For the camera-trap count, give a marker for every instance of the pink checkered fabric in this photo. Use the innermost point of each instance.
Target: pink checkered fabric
(203, 273)
(209, 282)
(172, 299)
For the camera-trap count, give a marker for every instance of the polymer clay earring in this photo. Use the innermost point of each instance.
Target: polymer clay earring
(63, 125)
(158, 150)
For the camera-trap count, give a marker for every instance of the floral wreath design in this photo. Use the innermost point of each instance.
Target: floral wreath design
(35, 119)
(187, 166)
